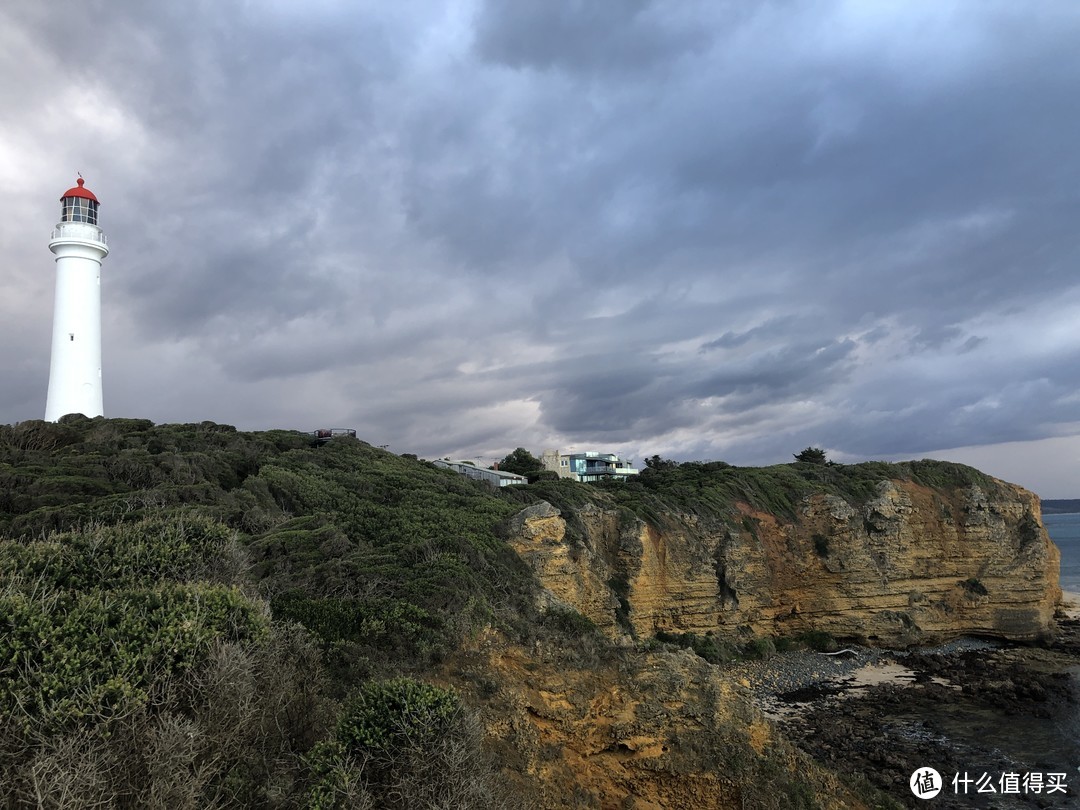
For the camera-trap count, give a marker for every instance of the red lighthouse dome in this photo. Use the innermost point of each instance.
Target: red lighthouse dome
(80, 191)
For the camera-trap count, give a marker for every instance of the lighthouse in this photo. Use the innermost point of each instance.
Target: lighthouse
(79, 246)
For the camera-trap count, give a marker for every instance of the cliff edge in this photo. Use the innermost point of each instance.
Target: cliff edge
(895, 561)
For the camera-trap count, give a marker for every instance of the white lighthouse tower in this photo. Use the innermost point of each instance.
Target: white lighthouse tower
(79, 245)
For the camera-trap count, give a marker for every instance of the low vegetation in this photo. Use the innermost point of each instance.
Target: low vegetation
(197, 617)
(713, 488)
(721, 651)
(402, 743)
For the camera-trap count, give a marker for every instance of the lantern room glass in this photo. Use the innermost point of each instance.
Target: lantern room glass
(78, 209)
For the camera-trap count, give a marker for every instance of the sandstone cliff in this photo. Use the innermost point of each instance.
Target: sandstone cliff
(907, 563)
(652, 731)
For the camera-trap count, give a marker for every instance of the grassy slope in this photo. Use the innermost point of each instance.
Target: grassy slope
(711, 489)
(353, 541)
(140, 661)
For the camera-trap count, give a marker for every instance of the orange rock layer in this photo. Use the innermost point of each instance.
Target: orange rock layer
(911, 565)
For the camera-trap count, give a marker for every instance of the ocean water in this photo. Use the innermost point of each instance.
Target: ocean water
(1064, 530)
(1034, 744)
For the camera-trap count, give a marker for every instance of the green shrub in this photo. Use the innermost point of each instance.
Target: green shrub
(382, 730)
(812, 455)
(818, 640)
(784, 644)
(388, 624)
(568, 622)
(92, 618)
(402, 744)
(229, 733)
(385, 718)
(945, 474)
(144, 552)
(338, 779)
(65, 657)
(711, 648)
(542, 475)
(760, 648)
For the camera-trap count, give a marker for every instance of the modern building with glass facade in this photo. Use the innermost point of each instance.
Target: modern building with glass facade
(588, 466)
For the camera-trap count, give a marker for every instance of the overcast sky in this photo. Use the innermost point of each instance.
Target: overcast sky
(706, 230)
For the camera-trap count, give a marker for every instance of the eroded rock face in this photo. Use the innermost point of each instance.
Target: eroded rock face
(911, 565)
(574, 573)
(650, 731)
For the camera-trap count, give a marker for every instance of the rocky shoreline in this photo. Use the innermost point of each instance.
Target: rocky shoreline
(970, 707)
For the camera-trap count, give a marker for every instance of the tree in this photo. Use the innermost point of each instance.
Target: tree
(654, 462)
(542, 475)
(521, 461)
(812, 455)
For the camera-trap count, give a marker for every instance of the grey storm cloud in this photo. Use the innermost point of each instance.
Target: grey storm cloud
(604, 36)
(707, 230)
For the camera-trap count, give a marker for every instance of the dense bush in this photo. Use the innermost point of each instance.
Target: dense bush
(72, 647)
(179, 547)
(567, 621)
(232, 733)
(134, 671)
(713, 488)
(521, 461)
(392, 537)
(812, 455)
(818, 640)
(55, 476)
(385, 718)
(759, 648)
(712, 649)
(403, 744)
(382, 624)
(398, 544)
(137, 668)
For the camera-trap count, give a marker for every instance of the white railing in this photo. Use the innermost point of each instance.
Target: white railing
(79, 230)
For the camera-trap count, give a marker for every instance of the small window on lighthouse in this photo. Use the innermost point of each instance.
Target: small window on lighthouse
(71, 336)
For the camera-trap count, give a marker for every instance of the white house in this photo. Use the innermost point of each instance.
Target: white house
(497, 478)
